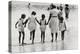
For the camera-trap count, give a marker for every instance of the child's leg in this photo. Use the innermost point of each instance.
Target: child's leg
(52, 37)
(62, 34)
(43, 36)
(56, 35)
(19, 37)
(33, 36)
(23, 37)
(30, 35)
(67, 15)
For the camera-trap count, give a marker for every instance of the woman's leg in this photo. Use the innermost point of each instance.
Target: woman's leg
(52, 37)
(19, 37)
(62, 34)
(23, 37)
(56, 35)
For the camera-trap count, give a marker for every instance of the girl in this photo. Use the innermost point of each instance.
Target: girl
(21, 28)
(31, 25)
(42, 27)
(62, 27)
(53, 18)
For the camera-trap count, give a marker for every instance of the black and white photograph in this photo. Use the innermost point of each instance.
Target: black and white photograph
(37, 27)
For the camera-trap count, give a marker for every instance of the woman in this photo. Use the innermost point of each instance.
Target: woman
(53, 21)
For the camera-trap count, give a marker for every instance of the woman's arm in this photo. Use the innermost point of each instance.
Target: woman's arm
(49, 18)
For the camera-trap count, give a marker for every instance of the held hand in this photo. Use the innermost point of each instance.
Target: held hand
(15, 26)
(36, 19)
(46, 23)
(24, 25)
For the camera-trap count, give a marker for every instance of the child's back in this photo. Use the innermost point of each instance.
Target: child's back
(61, 24)
(20, 25)
(43, 25)
(31, 24)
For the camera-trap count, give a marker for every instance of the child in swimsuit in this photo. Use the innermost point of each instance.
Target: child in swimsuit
(62, 27)
(42, 24)
(20, 26)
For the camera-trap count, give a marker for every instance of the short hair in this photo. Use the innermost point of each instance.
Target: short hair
(33, 13)
(23, 16)
(53, 6)
(66, 5)
(43, 15)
